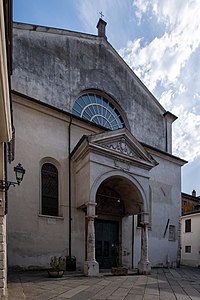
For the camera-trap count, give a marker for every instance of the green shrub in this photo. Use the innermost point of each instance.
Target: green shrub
(57, 263)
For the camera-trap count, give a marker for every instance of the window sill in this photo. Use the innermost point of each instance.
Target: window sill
(51, 217)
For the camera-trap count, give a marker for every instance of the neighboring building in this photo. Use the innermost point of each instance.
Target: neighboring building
(5, 128)
(190, 241)
(101, 181)
(190, 203)
(190, 230)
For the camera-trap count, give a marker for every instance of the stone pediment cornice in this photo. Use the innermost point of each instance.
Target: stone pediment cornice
(121, 143)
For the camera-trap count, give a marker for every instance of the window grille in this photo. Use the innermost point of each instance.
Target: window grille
(49, 174)
(98, 110)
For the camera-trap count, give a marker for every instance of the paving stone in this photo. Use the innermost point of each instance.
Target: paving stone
(150, 297)
(136, 297)
(121, 292)
(136, 291)
(162, 284)
(69, 294)
(167, 295)
(116, 298)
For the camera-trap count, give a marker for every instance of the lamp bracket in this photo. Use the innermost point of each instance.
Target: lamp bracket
(4, 185)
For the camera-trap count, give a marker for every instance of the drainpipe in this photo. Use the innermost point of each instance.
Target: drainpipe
(69, 182)
(179, 244)
(133, 240)
(5, 178)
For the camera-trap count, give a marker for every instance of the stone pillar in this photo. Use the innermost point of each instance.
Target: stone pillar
(91, 266)
(144, 265)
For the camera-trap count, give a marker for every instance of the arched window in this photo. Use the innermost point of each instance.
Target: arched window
(99, 110)
(49, 178)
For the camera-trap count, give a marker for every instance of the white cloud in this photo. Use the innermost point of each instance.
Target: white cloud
(165, 99)
(142, 7)
(186, 132)
(197, 96)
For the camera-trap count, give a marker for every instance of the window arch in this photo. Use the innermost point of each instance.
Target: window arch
(49, 181)
(97, 109)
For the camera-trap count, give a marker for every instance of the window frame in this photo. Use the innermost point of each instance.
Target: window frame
(57, 166)
(188, 225)
(188, 249)
(172, 233)
(112, 103)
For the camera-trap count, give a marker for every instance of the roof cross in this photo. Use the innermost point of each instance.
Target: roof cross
(101, 14)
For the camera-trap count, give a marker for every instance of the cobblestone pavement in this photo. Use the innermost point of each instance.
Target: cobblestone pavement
(162, 284)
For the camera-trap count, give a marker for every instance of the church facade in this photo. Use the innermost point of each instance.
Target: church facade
(101, 182)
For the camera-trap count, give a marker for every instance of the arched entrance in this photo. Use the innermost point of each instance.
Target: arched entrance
(116, 198)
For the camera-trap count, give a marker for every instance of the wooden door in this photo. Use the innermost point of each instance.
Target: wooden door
(106, 243)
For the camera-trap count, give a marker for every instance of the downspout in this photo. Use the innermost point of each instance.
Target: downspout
(166, 140)
(69, 182)
(179, 244)
(5, 178)
(133, 232)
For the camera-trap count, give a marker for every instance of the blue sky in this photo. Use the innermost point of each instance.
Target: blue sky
(159, 39)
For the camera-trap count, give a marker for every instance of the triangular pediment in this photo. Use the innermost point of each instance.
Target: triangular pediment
(122, 143)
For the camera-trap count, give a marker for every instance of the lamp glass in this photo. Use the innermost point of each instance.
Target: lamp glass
(19, 172)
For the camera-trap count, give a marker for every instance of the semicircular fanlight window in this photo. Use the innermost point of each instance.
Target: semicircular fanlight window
(98, 110)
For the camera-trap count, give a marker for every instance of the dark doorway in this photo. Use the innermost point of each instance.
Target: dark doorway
(106, 243)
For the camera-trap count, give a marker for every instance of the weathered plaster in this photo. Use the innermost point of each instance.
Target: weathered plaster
(56, 68)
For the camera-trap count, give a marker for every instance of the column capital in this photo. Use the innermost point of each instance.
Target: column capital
(91, 218)
(91, 203)
(91, 210)
(144, 218)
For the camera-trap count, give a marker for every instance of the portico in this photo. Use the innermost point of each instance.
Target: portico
(115, 188)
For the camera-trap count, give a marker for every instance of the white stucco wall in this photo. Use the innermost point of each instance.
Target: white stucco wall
(191, 239)
(33, 238)
(165, 183)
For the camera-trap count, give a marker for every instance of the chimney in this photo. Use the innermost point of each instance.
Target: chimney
(194, 194)
(101, 26)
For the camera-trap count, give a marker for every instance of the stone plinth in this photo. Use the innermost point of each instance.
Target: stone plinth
(91, 268)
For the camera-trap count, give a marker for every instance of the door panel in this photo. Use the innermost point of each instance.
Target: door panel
(106, 240)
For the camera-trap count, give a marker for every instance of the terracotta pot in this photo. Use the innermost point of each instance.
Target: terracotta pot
(55, 274)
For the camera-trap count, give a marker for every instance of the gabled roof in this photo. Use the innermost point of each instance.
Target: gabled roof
(91, 37)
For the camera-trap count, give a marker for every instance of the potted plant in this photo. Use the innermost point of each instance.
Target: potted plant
(57, 266)
(118, 270)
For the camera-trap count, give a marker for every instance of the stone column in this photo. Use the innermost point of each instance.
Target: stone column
(91, 266)
(144, 265)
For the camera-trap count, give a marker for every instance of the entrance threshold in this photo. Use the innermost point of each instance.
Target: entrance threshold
(107, 272)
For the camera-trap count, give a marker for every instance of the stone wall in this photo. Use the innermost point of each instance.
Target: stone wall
(56, 66)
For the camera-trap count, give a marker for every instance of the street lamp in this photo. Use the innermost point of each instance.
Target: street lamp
(19, 173)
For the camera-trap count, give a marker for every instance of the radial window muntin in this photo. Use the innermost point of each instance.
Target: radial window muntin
(97, 109)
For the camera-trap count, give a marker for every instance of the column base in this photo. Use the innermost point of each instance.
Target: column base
(91, 268)
(144, 267)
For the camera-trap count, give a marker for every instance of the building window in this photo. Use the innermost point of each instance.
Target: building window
(188, 225)
(187, 249)
(99, 110)
(172, 230)
(49, 178)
